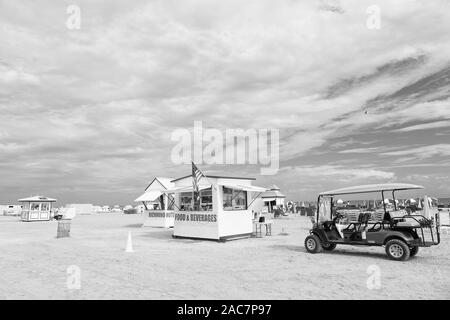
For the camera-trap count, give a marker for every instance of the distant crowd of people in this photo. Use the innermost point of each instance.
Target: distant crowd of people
(290, 207)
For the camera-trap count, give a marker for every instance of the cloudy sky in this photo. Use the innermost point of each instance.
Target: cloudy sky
(86, 115)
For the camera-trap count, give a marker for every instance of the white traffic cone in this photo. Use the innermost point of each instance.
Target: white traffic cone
(129, 247)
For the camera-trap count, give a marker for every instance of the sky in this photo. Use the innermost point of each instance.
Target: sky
(87, 115)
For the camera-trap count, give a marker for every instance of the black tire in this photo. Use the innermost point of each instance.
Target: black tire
(329, 246)
(413, 251)
(312, 244)
(397, 250)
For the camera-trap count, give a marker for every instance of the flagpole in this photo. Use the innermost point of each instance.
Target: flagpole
(195, 182)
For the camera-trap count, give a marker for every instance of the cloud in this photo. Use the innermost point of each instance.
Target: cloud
(423, 152)
(425, 126)
(12, 76)
(96, 107)
(366, 150)
(341, 173)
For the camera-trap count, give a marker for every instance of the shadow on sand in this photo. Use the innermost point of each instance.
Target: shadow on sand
(166, 234)
(136, 225)
(366, 254)
(337, 251)
(290, 247)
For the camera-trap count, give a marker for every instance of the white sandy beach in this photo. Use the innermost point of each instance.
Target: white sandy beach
(34, 264)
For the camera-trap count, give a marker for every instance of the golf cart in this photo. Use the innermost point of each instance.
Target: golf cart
(400, 232)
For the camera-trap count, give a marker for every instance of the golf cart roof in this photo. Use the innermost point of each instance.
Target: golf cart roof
(371, 188)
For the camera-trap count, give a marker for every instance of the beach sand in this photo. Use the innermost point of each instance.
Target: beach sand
(34, 264)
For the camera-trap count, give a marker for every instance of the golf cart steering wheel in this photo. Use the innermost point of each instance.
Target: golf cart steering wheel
(338, 217)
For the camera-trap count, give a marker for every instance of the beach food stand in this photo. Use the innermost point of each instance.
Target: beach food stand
(221, 211)
(159, 206)
(36, 208)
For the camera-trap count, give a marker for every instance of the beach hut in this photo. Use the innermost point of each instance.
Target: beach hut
(222, 210)
(273, 198)
(159, 206)
(36, 208)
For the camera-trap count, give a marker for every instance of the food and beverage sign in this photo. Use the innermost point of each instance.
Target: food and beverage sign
(160, 214)
(196, 217)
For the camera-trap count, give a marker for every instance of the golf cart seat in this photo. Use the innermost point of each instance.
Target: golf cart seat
(363, 220)
(400, 219)
(391, 219)
(355, 228)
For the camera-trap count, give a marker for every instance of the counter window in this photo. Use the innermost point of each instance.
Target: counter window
(34, 206)
(45, 206)
(234, 199)
(205, 203)
(186, 201)
(206, 200)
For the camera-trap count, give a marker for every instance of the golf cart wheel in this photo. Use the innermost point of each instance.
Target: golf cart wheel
(413, 251)
(312, 244)
(329, 246)
(397, 250)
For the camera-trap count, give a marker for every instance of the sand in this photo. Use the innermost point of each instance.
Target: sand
(34, 264)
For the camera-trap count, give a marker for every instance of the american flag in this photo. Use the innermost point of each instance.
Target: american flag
(197, 175)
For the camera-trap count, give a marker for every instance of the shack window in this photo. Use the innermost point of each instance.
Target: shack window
(34, 206)
(205, 203)
(45, 206)
(234, 199)
(185, 201)
(206, 200)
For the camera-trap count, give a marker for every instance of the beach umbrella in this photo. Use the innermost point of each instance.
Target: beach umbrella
(325, 208)
(340, 201)
(432, 201)
(412, 201)
(426, 208)
(419, 205)
(386, 201)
